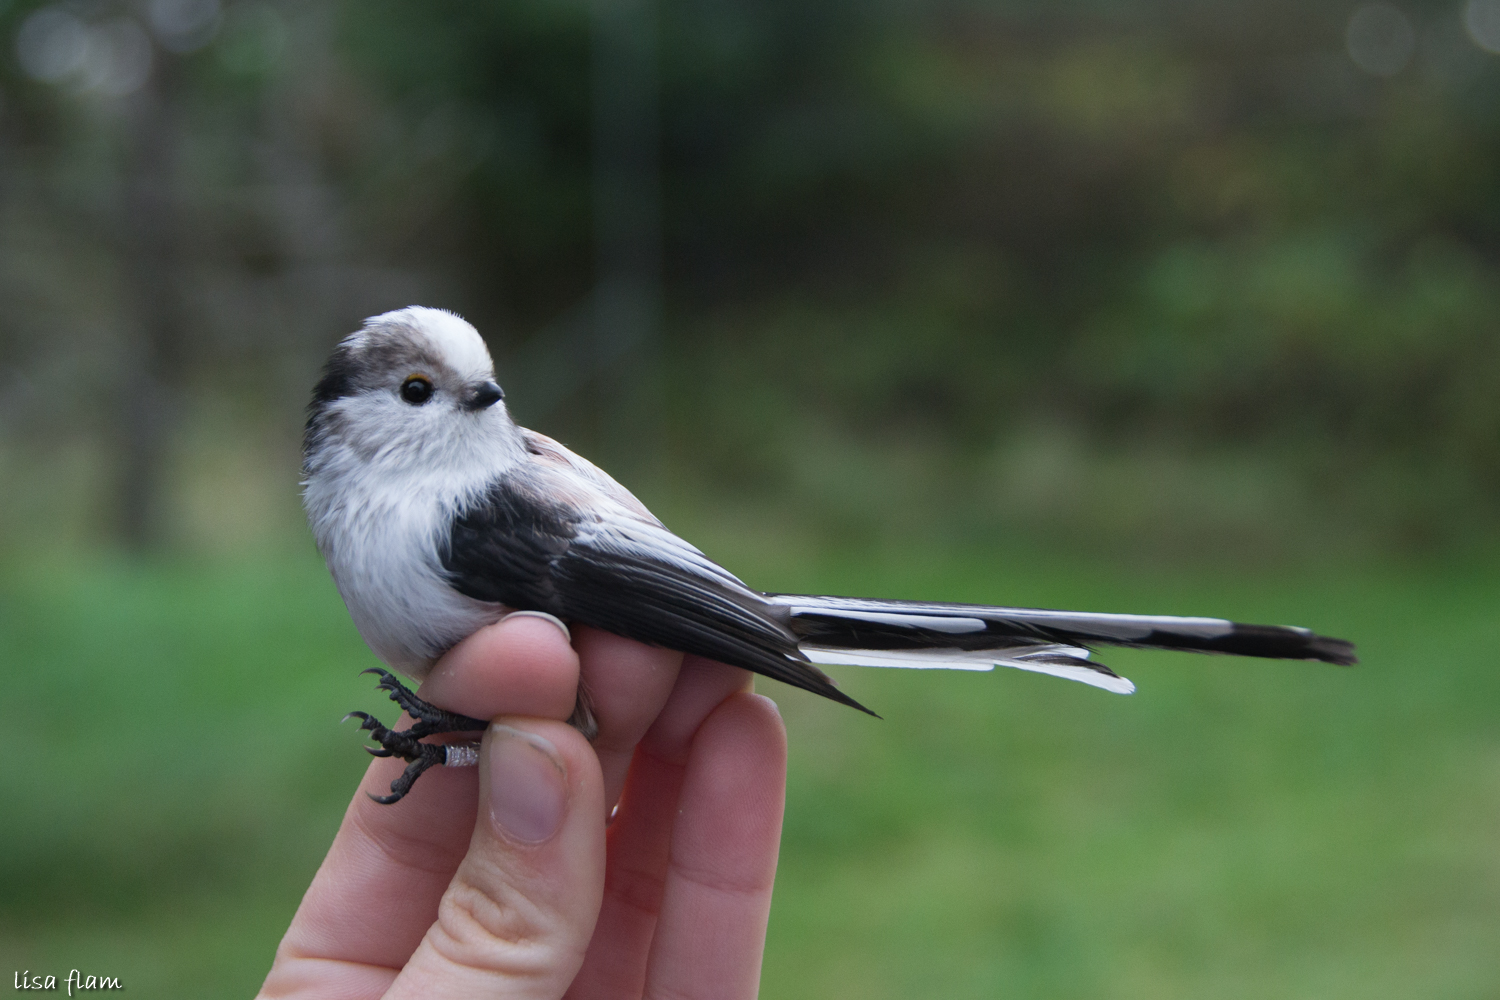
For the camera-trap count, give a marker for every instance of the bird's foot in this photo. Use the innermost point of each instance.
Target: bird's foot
(407, 743)
(429, 719)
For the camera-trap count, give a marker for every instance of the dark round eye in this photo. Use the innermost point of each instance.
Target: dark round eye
(416, 390)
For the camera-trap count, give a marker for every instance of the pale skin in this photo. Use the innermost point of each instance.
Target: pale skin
(511, 882)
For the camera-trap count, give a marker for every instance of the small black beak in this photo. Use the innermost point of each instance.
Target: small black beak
(482, 396)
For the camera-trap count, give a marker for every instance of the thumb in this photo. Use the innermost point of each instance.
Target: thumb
(517, 918)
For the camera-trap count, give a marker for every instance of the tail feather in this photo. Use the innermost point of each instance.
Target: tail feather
(1069, 662)
(971, 636)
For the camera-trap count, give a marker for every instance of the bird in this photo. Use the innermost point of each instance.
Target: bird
(438, 514)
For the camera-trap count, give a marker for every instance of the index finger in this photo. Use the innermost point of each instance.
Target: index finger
(626, 683)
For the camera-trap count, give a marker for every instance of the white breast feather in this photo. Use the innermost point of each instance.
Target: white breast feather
(381, 521)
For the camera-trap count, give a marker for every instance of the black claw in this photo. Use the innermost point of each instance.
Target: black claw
(409, 777)
(428, 719)
(406, 744)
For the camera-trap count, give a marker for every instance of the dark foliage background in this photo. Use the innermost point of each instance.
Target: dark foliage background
(1132, 272)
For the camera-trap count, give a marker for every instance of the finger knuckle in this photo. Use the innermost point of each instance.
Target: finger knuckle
(500, 932)
(639, 889)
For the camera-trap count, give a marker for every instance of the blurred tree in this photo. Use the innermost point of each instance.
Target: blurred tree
(151, 374)
(1137, 266)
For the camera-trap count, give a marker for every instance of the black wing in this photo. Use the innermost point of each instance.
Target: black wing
(523, 545)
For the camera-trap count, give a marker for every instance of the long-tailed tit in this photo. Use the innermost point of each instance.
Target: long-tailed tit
(438, 515)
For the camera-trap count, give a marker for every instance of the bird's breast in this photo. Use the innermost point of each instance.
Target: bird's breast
(382, 541)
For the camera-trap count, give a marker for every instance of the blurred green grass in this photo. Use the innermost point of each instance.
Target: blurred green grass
(1236, 829)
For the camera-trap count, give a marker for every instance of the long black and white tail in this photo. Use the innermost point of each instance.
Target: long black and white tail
(914, 634)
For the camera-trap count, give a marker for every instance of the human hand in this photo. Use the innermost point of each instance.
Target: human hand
(507, 883)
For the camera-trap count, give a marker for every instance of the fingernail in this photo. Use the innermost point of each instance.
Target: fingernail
(528, 785)
(545, 617)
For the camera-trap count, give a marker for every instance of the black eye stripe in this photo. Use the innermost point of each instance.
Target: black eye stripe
(416, 390)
